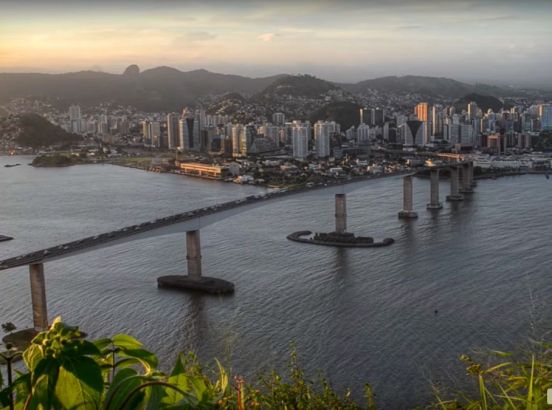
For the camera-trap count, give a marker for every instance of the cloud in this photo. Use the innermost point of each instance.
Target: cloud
(195, 37)
(266, 37)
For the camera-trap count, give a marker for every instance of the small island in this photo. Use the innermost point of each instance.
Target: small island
(56, 160)
(345, 240)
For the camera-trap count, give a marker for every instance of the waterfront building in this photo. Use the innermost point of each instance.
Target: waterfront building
(188, 129)
(204, 170)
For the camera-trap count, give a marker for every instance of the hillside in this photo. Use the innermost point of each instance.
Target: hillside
(305, 86)
(36, 132)
(483, 101)
(344, 113)
(438, 87)
(158, 89)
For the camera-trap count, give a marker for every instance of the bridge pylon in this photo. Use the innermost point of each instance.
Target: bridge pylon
(454, 182)
(340, 213)
(465, 180)
(434, 190)
(38, 296)
(194, 280)
(407, 212)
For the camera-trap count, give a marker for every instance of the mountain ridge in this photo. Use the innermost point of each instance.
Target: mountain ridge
(166, 88)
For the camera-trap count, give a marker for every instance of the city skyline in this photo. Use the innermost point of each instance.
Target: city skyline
(497, 42)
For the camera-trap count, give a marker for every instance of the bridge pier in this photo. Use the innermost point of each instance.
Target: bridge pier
(454, 194)
(195, 280)
(340, 213)
(472, 179)
(465, 179)
(38, 296)
(193, 249)
(407, 212)
(434, 187)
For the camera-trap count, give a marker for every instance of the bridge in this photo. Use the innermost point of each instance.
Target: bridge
(193, 221)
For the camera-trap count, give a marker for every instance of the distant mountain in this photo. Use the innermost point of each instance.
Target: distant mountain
(158, 89)
(344, 113)
(169, 89)
(483, 101)
(305, 86)
(438, 87)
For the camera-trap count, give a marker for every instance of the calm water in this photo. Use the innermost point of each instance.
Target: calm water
(359, 315)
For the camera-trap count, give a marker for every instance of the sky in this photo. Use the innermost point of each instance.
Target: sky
(496, 41)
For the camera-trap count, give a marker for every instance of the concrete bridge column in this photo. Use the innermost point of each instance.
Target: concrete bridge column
(454, 195)
(38, 296)
(193, 248)
(472, 179)
(407, 212)
(340, 213)
(465, 180)
(434, 193)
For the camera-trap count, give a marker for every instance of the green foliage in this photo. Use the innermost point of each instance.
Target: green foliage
(66, 371)
(56, 160)
(8, 327)
(506, 382)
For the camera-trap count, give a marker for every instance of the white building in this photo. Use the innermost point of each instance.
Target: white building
(363, 133)
(322, 132)
(300, 140)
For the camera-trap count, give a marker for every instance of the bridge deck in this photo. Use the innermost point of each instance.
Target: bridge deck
(65, 249)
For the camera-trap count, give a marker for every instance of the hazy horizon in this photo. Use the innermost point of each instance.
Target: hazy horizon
(497, 42)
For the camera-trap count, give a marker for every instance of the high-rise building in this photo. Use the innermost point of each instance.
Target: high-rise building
(545, 115)
(413, 132)
(422, 113)
(437, 117)
(377, 117)
(172, 131)
(365, 116)
(472, 111)
(300, 140)
(322, 131)
(363, 133)
(188, 130)
(278, 118)
(75, 119)
(146, 132)
(237, 131)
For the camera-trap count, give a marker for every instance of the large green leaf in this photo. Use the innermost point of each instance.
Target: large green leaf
(102, 344)
(178, 378)
(146, 358)
(123, 383)
(126, 342)
(80, 384)
(32, 356)
(44, 380)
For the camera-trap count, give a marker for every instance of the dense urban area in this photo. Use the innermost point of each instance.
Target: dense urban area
(299, 130)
